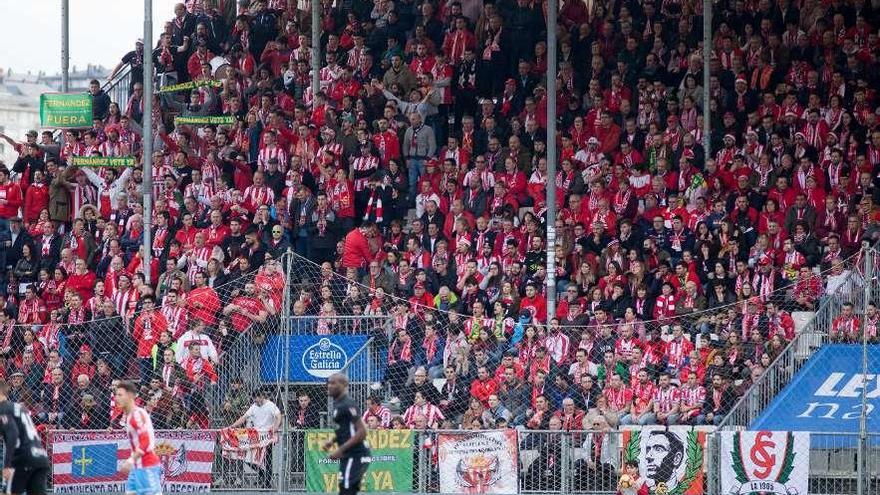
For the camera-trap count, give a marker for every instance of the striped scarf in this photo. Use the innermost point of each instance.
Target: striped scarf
(375, 203)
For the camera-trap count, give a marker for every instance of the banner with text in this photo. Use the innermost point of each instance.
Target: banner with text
(247, 444)
(191, 85)
(671, 460)
(391, 464)
(88, 461)
(483, 462)
(314, 357)
(205, 120)
(776, 462)
(825, 396)
(63, 110)
(102, 161)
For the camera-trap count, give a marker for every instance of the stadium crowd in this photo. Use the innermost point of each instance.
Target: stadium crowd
(415, 180)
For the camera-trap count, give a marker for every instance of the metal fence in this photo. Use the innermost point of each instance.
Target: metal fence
(546, 462)
(853, 290)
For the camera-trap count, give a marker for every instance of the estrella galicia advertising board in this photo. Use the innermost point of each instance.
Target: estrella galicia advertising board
(313, 358)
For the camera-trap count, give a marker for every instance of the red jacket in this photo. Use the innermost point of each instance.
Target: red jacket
(35, 199)
(10, 200)
(357, 251)
(482, 390)
(146, 335)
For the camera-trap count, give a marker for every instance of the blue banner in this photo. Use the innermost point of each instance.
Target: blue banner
(826, 395)
(313, 358)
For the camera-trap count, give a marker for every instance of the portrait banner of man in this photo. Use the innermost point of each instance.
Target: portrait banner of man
(670, 459)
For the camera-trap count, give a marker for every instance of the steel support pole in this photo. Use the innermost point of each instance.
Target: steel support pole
(65, 46)
(552, 8)
(862, 463)
(316, 47)
(148, 139)
(707, 58)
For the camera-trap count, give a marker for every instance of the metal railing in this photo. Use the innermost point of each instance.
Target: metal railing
(790, 361)
(119, 88)
(546, 462)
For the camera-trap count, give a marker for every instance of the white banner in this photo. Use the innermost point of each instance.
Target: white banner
(775, 462)
(247, 444)
(483, 462)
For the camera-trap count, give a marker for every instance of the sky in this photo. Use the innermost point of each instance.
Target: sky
(101, 32)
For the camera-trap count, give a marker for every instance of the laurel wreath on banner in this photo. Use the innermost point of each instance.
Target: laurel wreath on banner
(632, 447)
(694, 464)
(788, 461)
(736, 458)
(694, 459)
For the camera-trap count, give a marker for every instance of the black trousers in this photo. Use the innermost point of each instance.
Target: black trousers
(264, 473)
(351, 471)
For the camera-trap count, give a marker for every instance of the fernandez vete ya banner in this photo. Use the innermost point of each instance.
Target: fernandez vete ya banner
(391, 466)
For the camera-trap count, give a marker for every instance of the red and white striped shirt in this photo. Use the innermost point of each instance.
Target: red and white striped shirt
(693, 396)
(433, 415)
(126, 301)
(267, 153)
(256, 196)
(618, 399)
(177, 320)
(558, 345)
(666, 399)
(381, 413)
(197, 261)
(677, 351)
(139, 427)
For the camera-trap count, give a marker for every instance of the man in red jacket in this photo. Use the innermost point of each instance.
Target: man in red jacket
(357, 252)
(483, 386)
(10, 199)
(147, 327)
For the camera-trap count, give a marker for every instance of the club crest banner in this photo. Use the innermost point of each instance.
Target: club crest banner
(483, 462)
(88, 461)
(767, 462)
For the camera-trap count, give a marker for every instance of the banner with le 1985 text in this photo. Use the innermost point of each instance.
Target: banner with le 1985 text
(391, 464)
(88, 461)
(480, 462)
(776, 462)
(65, 110)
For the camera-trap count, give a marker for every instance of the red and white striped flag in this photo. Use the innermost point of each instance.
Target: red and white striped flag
(246, 444)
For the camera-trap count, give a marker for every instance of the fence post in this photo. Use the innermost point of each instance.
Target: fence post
(423, 465)
(712, 477)
(862, 463)
(285, 330)
(565, 468)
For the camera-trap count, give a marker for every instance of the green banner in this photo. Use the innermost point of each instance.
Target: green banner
(196, 120)
(391, 469)
(102, 161)
(62, 110)
(191, 85)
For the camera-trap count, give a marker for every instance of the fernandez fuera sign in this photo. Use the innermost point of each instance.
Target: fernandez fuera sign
(62, 110)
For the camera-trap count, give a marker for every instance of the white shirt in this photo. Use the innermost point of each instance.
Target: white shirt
(262, 417)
